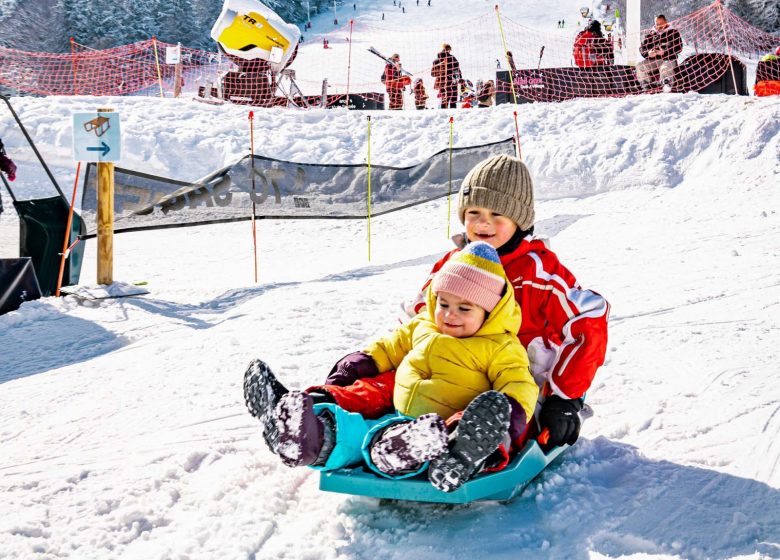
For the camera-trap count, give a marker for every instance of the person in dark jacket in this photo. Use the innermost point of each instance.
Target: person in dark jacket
(446, 72)
(660, 49)
(485, 94)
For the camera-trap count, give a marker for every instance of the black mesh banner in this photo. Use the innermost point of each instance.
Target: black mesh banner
(281, 189)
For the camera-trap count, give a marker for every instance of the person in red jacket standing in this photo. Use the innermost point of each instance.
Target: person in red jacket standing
(591, 48)
(395, 82)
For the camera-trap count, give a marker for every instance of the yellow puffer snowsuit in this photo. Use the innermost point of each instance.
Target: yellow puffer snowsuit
(442, 374)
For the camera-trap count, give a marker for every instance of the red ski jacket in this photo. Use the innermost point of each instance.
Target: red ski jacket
(564, 327)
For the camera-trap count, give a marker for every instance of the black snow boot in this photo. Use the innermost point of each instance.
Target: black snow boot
(262, 392)
(482, 428)
(404, 447)
(304, 438)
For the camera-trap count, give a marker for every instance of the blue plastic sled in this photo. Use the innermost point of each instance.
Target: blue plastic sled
(503, 485)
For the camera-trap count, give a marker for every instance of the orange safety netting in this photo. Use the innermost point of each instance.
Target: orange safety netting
(544, 65)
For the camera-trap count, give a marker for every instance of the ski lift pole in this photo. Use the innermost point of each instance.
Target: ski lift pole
(349, 61)
(252, 158)
(449, 188)
(503, 41)
(65, 247)
(369, 187)
(157, 63)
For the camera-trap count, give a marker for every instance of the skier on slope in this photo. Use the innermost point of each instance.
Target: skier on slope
(460, 360)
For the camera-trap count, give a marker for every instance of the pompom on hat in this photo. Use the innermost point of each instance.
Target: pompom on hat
(503, 184)
(474, 274)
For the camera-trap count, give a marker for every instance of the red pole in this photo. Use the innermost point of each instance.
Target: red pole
(349, 61)
(65, 248)
(517, 138)
(252, 155)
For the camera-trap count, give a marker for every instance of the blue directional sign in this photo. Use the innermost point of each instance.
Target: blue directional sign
(96, 137)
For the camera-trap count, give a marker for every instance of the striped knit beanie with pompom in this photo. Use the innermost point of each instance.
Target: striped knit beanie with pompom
(474, 274)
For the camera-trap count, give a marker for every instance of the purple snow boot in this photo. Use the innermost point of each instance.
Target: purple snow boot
(262, 392)
(403, 448)
(304, 437)
(482, 428)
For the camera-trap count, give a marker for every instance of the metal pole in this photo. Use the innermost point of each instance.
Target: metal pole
(335, 17)
(719, 7)
(308, 12)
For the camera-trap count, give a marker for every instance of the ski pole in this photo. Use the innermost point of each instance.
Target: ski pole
(541, 53)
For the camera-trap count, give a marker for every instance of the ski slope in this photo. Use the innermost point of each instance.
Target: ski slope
(122, 425)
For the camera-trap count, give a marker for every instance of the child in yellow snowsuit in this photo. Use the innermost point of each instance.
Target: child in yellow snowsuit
(461, 353)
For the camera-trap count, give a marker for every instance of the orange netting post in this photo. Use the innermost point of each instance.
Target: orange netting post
(349, 60)
(73, 56)
(65, 248)
(517, 138)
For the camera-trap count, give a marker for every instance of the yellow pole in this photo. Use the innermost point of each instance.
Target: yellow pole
(254, 207)
(369, 188)
(503, 41)
(449, 192)
(105, 220)
(157, 63)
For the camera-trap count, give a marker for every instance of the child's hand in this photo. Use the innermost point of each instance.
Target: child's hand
(561, 418)
(8, 167)
(350, 368)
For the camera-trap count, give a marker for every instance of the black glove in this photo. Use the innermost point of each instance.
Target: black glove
(559, 416)
(350, 368)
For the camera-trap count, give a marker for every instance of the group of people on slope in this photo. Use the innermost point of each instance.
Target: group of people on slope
(448, 81)
(453, 391)
(660, 48)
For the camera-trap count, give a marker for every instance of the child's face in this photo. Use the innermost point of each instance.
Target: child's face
(482, 224)
(457, 317)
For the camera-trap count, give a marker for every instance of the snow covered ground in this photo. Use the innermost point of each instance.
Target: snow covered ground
(122, 425)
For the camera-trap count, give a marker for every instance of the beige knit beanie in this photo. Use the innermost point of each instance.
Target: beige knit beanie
(503, 184)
